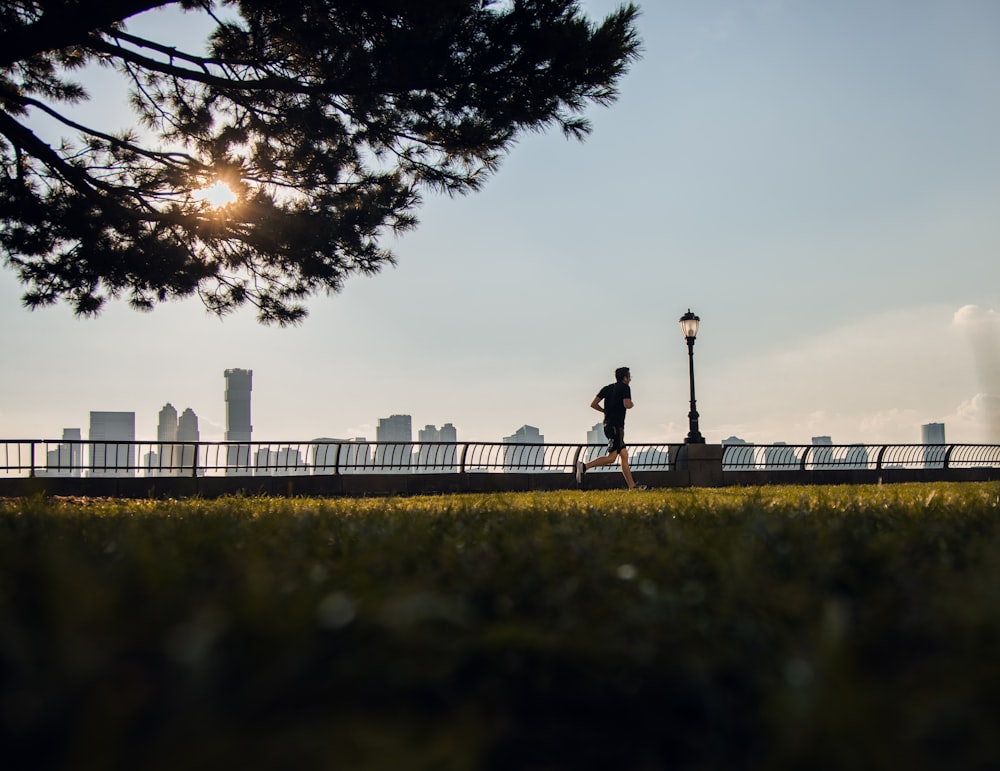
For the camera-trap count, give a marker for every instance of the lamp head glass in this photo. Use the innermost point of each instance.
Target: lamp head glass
(689, 325)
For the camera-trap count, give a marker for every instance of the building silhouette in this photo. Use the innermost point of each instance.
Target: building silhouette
(857, 457)
(595, 436)
(396, 431)
(187, 437)
(437, 448)
(166, 427)
(347, 456)
(239, 384)
(164, 457)
(65, 459)
(284, 461)
(187, 427)
(519, 457)
(822, 456)
(111, 452)
(650, 459)
(780, 456)
(932, 436)
(742, 456)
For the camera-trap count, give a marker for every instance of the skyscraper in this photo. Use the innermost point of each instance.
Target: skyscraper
(439, 454)
(525, 458)
(449, 434)
(595, 436)
(187, 427)
(932, 436)
(166, 428)
(822, 456)
(108, 457)
(165, 457)
(64, 460)
(239, 383)
(397, 430)
(187, 432)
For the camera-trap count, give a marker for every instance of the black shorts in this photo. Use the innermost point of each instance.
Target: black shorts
(616, 437)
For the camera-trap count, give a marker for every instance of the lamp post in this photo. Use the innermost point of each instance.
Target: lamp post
(689, 328)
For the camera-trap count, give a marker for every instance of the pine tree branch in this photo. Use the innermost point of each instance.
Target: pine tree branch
(67, 24)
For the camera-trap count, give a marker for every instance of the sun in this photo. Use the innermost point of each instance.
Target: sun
(218, 195)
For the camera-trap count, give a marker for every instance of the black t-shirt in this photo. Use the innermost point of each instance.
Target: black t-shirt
(614, 395)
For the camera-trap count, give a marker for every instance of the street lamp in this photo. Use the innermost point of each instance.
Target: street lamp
(689, 328)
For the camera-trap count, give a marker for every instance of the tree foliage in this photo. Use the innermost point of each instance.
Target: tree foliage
(326, 118)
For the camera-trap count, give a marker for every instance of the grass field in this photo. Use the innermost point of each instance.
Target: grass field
(765, 628)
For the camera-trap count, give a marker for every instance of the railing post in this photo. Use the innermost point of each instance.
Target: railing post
(461, 459)
(31, 471)
(947, 455)
(805, 455)
(576, 459)
(336, 460)
(194, 462)
(881, 453)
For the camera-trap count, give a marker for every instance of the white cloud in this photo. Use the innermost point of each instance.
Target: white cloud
(974, 316)
(981, 327)
(976, 420)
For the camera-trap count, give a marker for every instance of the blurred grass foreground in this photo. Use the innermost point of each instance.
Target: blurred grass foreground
(765, 628)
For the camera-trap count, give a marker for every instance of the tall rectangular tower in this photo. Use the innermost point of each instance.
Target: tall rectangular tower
(239, 383)
(107, 456)
(398, 430)
(932, 437)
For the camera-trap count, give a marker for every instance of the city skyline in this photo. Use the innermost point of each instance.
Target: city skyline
(818, 182)
(183, 427)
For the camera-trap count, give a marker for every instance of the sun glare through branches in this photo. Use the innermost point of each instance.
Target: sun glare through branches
(217, 196)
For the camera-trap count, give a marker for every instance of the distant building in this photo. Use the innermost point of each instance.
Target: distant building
(595, 436)
(525, 458)
(780, 456)
(345, 456)
(857, 457)
(284, 461)
(396, 432)
(112, 452)
(740, 455)
(437, 449)
(187, 432)
(166, 428)
(932, 436)
(187, 427)
(239, 384)
(650, 459)
(164, 458)
(932, 433)
(65, 459)
(822, 456)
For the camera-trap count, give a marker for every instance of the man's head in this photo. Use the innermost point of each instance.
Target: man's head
(621, 373)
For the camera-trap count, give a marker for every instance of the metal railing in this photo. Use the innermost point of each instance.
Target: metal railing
(87, 458)
(875, 457)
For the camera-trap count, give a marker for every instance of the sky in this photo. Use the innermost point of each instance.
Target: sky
(819, 182)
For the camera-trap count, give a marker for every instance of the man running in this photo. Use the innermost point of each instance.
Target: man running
(617, 398)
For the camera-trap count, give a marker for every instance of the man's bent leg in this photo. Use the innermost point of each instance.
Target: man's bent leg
(606, 460)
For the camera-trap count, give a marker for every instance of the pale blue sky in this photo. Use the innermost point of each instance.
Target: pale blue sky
(819, 181)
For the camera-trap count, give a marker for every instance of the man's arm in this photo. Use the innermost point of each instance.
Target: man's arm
(596, 405)
(627, 403)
